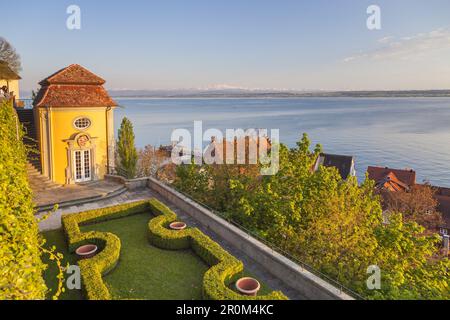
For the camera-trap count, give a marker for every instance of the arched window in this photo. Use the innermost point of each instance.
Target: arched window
(82, 123)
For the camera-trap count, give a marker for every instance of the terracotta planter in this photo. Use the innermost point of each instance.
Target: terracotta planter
(248, 286)
(177, 225)
(87, 251)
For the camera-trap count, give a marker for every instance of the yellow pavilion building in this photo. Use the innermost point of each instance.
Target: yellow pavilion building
(74, 123)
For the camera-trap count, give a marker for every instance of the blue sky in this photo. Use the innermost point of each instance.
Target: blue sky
(304, 45)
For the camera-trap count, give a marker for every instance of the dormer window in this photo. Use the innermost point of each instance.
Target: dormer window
(82, 123)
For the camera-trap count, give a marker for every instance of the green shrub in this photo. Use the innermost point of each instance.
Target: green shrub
(94, 268)
(224, 267)
(109, 245)
(20, 263)
(159, 235)
(72, 222)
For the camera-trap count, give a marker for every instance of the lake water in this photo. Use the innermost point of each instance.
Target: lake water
(395, 132)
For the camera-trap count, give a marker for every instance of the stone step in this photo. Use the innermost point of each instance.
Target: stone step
(37, 181)
(97, 197)
(26, 118)
(45, 188)
(34, 165)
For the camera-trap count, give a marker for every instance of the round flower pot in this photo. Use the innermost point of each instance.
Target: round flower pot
(177, 225)
(87, 251)
(248, 286)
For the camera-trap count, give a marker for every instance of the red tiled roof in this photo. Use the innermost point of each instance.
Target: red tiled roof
(407, 177)
(73, 86)
(73, 74)
(391, 183)
(73, 96)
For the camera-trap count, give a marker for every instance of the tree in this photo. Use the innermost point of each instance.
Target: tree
(156, 163)
(333, 225)
(410, 263)
(417, 204)
(9, 55)
(150, 160)
(127, 152)
(193, 180)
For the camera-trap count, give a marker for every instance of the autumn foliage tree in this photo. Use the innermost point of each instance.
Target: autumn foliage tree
(417, 204)
(155, 162)
(150, 161)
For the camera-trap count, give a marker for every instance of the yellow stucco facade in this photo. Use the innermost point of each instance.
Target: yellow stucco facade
(61, 142)
(74, 123)
(13, 86)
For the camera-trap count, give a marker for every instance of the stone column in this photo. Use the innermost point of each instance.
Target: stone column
(44, 142)
(94, 166)
(110, 138)
(70, 179)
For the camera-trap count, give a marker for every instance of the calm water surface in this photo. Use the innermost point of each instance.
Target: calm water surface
(395, 132)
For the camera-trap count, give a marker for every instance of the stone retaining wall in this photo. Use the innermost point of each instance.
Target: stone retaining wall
(130, 184)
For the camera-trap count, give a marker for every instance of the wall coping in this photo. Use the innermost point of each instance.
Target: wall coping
(130, 184)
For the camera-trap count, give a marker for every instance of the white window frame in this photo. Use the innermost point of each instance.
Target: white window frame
(80, 118)
(84, 177)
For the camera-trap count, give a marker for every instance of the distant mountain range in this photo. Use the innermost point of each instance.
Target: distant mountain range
(264, 93)
(260, 93)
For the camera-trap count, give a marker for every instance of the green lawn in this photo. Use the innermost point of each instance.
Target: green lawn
(143, 271)
(56, 238)
(147, 272)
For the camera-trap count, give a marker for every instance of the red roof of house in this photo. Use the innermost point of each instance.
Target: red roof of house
(406, 177)
(392, 183)
(73, 86)
(73, 74)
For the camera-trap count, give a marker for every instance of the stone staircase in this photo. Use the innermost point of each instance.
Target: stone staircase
(38, 182)
(26, 118)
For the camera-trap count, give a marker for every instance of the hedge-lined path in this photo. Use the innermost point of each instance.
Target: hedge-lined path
(54, 222)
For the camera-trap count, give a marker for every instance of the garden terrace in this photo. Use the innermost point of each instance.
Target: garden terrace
(140, 258)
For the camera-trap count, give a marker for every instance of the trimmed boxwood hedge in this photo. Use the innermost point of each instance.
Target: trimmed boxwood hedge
(93, 269)
(224, 267)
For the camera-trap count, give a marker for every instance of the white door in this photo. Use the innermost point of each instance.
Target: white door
(82, 165)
